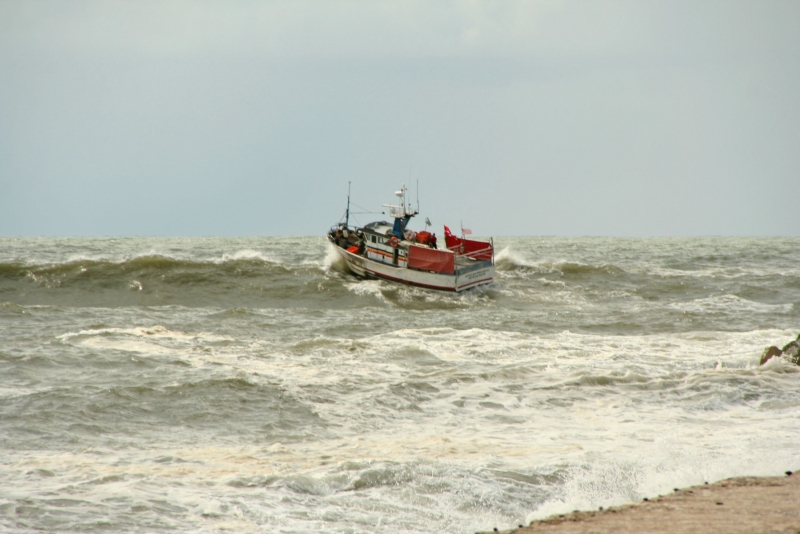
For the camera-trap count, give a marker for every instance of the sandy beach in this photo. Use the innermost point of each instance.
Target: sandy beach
(735, 505)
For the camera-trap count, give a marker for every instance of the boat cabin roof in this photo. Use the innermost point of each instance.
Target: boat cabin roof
(378, 227)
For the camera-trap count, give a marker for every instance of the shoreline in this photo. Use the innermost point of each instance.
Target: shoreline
(734, 505)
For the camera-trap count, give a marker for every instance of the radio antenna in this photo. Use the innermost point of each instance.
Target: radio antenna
(410, 173)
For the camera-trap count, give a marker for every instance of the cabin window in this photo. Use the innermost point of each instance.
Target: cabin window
(373, 239)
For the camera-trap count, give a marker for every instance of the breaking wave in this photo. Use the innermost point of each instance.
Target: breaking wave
(510, 261)
(155, 280)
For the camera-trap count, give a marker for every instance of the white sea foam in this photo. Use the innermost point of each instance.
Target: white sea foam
(246, 254)
(154, 340)
(719, 303)
(151, 332)
(367, 288)
(333, 258)
(508, 256)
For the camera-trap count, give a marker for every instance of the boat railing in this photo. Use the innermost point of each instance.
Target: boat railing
(457, 250)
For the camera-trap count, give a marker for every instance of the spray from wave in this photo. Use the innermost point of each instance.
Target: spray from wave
(333, 260)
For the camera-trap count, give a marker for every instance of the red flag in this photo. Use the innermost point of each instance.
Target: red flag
(465, 231)
(449, 239)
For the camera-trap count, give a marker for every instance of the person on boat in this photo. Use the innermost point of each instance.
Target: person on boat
(432, 241)
(400, 223)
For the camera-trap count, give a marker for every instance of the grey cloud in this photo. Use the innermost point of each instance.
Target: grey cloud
(187, 118)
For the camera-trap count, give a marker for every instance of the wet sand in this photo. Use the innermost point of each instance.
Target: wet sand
(736, 505)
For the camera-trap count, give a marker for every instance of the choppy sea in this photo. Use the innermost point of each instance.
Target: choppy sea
(252, 385)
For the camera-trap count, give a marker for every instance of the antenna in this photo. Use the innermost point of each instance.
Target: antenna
(417, 195)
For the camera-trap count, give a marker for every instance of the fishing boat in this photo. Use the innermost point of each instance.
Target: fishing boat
(394, 252)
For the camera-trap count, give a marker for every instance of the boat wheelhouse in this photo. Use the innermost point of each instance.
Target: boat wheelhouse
(392, 251)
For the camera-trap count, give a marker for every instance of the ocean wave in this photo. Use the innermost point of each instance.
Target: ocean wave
(367, 288)
(722, 273)
(151, 341)
(510, 261)
(573, 268)
(727, 303)
(144, 260)
(334, 260)
(246, 279)
(77, 272)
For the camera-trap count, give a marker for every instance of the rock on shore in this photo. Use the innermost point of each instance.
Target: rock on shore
(790, 351)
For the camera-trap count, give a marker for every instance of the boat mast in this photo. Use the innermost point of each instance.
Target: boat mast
(347, 211)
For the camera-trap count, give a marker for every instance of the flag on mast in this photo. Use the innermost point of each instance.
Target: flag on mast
(465, 231)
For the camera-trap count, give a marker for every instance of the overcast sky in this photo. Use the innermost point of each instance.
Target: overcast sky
(518, 118)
